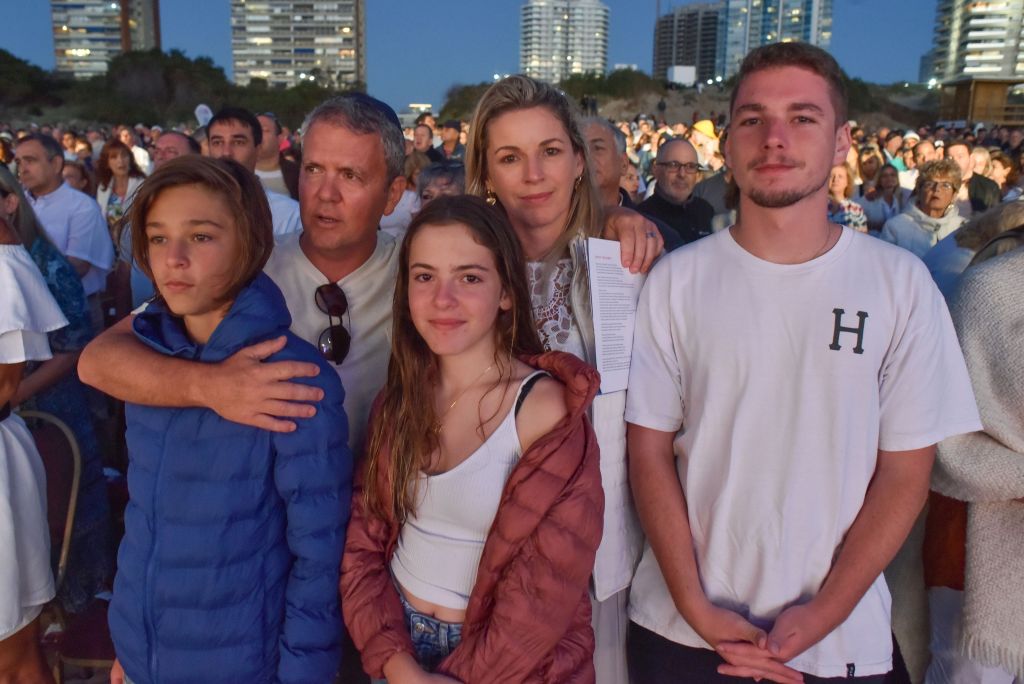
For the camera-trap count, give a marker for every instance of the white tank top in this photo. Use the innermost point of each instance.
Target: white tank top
(439, 548)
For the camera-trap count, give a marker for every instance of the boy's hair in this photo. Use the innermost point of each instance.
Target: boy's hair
(803, 55)
(241, 116)
(240, 190)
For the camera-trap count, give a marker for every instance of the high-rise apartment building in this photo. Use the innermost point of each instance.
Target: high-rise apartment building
(978, 39)
(87, 34)
(559, 38)
(689, 36)
(747, 24)
(286, 42)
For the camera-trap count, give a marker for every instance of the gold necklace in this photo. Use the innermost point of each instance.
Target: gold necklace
(824, 247)
(440, 419)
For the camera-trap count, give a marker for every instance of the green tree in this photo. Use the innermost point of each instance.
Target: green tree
(153, 86)
(460, 101)
(22, 83)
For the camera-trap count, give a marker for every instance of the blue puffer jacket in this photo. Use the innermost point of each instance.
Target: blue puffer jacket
(228, 571)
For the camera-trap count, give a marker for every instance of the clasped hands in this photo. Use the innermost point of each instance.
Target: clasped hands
(749, 651)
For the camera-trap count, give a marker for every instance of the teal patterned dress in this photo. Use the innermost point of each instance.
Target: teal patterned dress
(90, 561)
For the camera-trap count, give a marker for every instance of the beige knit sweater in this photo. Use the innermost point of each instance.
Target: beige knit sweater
(986, 469)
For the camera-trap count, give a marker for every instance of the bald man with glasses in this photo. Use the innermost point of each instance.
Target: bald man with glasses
(676, 172)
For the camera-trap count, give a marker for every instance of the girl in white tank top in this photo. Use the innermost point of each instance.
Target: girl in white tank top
(457, 413)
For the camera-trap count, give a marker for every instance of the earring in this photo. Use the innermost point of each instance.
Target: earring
(579, 179)
(491, 198)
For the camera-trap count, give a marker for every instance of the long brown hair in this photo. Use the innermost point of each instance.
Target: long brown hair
(522, 92)
(104, 175)
(26, 224)
(405, 420)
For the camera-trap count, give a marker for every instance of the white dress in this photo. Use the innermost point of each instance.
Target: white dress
(27, 313)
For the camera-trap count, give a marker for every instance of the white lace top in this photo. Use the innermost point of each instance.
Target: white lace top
(552, 306)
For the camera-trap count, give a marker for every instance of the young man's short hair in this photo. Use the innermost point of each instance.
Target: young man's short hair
(242, 116)
(803, 55)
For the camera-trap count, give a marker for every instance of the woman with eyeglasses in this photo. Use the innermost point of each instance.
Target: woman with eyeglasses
(27, 313)
(933, 215)
(228, 570)
(479, 513)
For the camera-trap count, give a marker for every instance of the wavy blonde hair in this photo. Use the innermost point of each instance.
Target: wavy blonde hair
(522, 92)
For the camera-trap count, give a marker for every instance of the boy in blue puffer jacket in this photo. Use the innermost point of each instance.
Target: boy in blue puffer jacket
(228, 571)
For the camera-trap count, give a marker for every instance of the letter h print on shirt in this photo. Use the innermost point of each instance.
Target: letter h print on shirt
(838, 329)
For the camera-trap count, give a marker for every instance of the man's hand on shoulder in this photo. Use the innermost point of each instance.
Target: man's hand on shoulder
(245, 390)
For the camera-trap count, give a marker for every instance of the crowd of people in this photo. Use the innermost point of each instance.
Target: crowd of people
(365, 435)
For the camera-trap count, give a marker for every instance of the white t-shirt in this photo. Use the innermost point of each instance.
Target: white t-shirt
(397, 222)
(780, 406)
(284, 211)
(27, 312)
(75, 224)
(273, 181)
(370, 290)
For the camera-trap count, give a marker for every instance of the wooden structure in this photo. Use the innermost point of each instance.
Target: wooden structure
(981, 99)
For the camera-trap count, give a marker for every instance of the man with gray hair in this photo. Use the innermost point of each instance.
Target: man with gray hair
(337, 276)
(607, 147)
(675, 175)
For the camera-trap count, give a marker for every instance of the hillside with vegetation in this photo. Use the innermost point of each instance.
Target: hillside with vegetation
(156, 87)
(624, 94)
(144, 86)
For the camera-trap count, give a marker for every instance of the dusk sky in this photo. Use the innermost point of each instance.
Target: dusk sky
(417, 50)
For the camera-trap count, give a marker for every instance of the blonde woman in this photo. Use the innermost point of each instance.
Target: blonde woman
(528, 158)
(842, 209)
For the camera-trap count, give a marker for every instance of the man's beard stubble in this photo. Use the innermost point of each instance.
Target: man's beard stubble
(779, 199)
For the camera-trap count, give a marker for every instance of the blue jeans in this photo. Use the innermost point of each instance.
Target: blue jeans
(432, 639)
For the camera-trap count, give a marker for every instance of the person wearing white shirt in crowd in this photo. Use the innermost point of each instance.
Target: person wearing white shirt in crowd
(130, 139)
(788, 383)
(27, 313)
(924, 152)
(274, 171)
(888, 200)
(236, 133)
(72, 220)
(934, 213)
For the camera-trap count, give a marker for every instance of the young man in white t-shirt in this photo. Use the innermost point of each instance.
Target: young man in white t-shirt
(789, 381)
